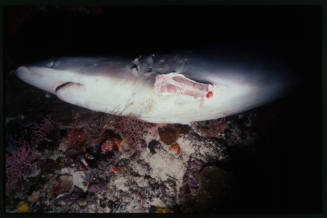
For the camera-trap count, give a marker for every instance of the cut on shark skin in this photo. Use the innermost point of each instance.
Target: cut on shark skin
(204, 88)
(178, 84)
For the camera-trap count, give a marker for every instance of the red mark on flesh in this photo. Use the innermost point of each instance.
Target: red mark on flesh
(209, 94)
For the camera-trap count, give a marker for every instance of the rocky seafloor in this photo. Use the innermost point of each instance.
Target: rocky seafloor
(109, 164)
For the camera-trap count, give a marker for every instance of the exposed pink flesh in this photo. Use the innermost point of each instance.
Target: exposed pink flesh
(199, 86)
(183, 86)
(173, 88)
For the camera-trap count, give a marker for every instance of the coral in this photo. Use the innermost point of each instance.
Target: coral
(131, 129)
(44, 131)
(77, 139)
(22, 207)
(108, 145)
(102, 126)
(175, 147)
(168, 134)
(106, 132)
(18, 164)
(213, 127)
(75, 136)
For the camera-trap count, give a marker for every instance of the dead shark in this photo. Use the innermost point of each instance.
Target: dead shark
(160, 89)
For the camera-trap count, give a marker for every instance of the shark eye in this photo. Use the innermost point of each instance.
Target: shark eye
(51, 63)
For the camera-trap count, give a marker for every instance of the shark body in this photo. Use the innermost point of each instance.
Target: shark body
(183, 89)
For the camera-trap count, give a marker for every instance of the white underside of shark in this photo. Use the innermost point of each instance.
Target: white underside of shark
(158, 98)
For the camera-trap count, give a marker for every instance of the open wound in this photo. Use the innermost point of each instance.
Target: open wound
(175, 83)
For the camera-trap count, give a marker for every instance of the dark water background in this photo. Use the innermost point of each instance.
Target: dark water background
(285, 173)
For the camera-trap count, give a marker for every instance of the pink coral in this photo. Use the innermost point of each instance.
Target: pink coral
(78, 138)
(18, 164)
(102, 126)
(131, 129)
(42, 131)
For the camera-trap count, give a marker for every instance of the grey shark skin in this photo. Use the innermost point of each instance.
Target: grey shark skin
(193, 87)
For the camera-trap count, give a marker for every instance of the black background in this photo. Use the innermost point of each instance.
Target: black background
(285, 174)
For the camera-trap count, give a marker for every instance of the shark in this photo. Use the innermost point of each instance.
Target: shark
(170, 88)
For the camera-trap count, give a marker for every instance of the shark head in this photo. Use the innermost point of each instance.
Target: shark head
(99, 84)
(41, 75)
(114, 85)
(51, 74)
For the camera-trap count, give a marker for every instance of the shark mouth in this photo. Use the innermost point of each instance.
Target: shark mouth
(176, 83)
(67, 85)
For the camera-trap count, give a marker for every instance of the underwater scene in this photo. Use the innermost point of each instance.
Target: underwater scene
(234, 129)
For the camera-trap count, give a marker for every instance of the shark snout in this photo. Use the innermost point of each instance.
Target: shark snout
(28, 75)
(41, 77)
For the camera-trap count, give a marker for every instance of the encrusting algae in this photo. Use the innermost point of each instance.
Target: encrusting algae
(175, 147)
(22, 207)
(161, 210)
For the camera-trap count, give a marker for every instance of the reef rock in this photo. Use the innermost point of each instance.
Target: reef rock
(170, 133)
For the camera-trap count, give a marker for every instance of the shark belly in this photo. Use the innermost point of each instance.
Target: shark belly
(197, 92)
